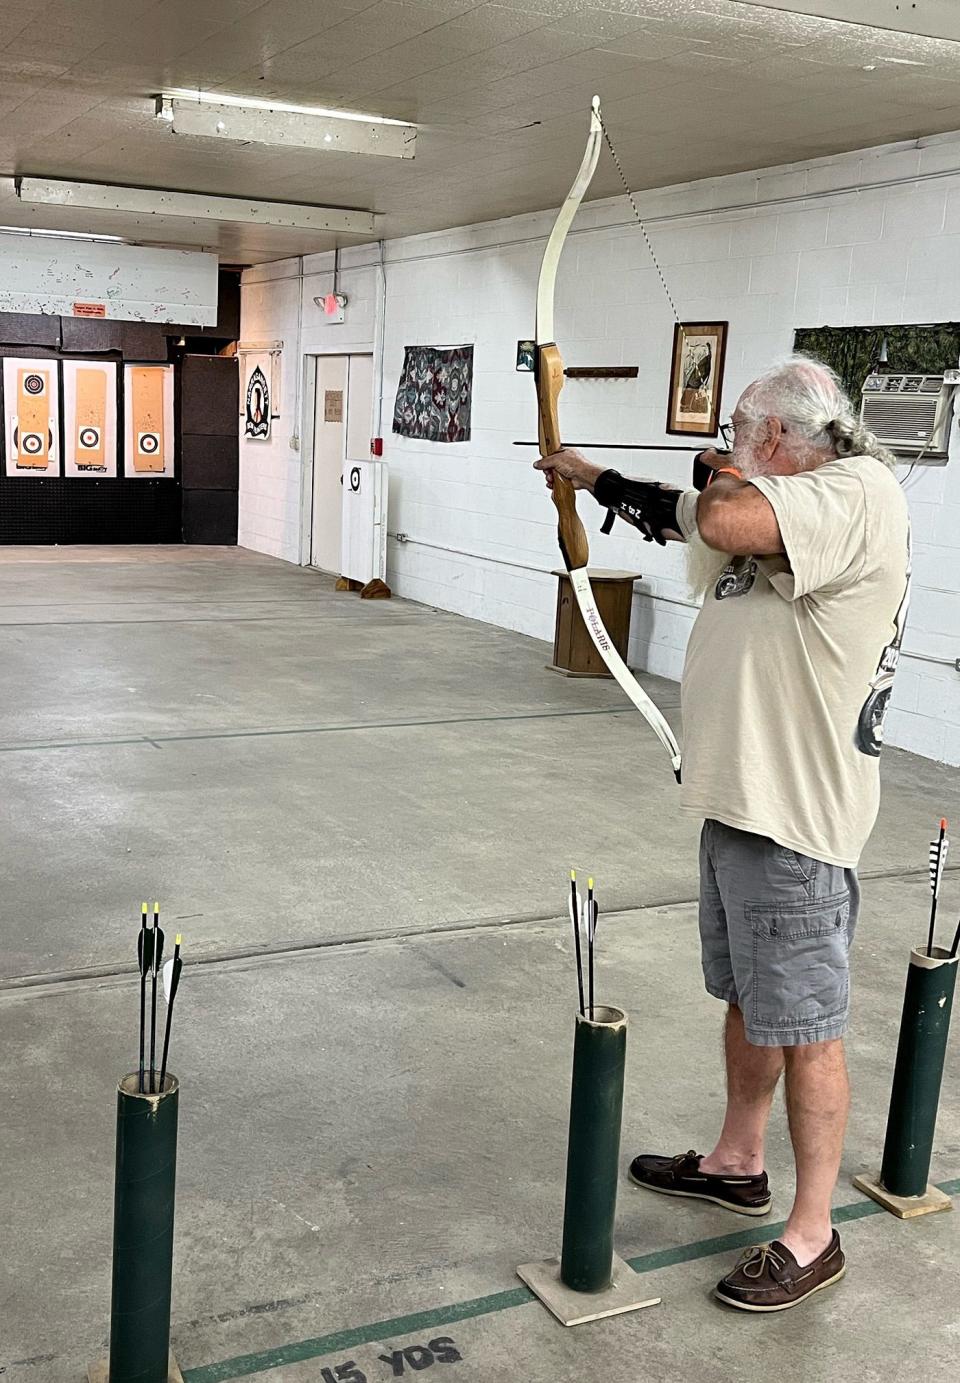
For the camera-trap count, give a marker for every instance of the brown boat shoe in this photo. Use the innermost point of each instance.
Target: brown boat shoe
(681, 1176)
(769, 1278)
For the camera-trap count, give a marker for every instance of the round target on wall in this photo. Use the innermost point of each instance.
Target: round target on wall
(31, 443)
(148, 443)
(35, 385)
(88, 439)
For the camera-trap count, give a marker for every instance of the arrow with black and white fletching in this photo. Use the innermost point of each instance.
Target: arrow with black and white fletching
(573, 905)
(145, 961)
(171, 983)
(938, 860)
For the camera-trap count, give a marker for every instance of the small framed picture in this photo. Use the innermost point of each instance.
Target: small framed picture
(696, 378)
(526, 354)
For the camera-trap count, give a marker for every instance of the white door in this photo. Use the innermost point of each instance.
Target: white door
(328, 454)
(342, 430)
(359, 407)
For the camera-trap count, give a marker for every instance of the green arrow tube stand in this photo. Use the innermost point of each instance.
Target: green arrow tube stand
(593, 1150)
(143, 1208)
(590, 1281)
(902, 1186)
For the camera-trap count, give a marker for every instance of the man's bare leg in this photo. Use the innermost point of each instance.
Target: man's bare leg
(752, 1075)
(818, 1101)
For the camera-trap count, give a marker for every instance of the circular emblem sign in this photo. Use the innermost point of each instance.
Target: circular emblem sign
(257, 409)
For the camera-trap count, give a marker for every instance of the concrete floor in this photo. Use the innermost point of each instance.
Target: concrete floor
(362, 815)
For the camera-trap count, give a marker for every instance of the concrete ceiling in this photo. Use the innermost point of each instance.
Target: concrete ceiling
(690, 88)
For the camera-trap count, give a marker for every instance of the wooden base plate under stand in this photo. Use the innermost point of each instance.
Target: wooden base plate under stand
(904, 1207)
(577, 1308)
(376, 590)
(100, 1372)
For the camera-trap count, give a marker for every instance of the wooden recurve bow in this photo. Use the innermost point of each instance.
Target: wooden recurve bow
(549, 379)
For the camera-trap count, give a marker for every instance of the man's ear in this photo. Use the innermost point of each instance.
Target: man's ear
(774, 430)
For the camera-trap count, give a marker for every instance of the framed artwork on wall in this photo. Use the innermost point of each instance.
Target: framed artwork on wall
(696, 378)
(31, 416)
(90, 418)
(148, 421)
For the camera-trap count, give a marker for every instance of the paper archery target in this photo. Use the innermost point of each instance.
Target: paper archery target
(89, 439)
(31, 412)
(149, 419)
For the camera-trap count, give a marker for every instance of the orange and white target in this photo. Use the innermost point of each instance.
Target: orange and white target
(148, 403)
(31, 416)
(89, 418)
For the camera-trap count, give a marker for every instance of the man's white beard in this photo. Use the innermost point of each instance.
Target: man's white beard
(704, 567)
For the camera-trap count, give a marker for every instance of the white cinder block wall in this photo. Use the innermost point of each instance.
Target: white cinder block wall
(866, 237)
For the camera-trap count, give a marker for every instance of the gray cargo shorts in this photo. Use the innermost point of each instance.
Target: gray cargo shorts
(775, 933)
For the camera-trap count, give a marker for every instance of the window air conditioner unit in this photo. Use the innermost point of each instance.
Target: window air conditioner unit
(911, 414)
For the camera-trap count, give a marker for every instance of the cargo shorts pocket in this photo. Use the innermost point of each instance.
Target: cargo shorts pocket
(801, 975)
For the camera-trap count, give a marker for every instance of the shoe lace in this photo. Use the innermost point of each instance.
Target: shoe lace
(755, 1260)
(684, 1159)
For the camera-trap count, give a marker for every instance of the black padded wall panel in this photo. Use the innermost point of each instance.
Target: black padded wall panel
(209, 396)
(83, 336)
(64, 510)
(29, 329)
(210, 516)
(210, 463)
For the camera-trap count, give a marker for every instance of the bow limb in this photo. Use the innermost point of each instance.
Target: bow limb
(549, 379)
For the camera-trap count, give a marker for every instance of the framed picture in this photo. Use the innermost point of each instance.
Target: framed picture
(526, 354)
(696, 378)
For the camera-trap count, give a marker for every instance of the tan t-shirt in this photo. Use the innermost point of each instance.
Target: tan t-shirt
(790, 663)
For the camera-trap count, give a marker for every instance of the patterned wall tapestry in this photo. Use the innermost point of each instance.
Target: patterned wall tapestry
(433, 400)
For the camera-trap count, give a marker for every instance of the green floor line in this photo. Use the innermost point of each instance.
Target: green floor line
(387, 1330)
(348, 727)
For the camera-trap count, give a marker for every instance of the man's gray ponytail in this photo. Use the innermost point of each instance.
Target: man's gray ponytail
(851, 438)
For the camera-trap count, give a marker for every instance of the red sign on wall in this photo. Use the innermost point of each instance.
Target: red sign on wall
(89, 309)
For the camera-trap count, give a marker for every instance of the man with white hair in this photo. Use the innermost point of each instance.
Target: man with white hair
(800, 546)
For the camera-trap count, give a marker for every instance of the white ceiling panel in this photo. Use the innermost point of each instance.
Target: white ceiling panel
(691, 88)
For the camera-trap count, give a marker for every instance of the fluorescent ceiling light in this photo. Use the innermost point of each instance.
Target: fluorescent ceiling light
(219, 98)
(210, 116)
(61, 234)
(149, 203)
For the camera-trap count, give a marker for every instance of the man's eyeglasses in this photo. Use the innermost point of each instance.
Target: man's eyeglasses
(728, 433)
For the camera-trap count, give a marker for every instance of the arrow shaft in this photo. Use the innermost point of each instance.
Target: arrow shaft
(633, 446)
